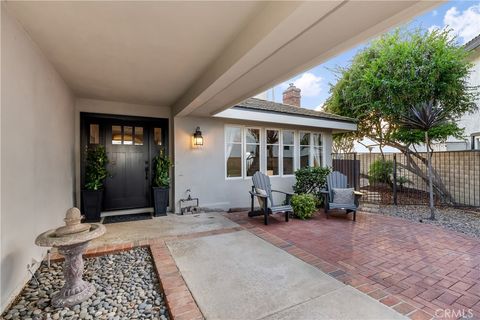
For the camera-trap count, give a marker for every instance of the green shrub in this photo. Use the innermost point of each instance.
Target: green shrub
(161, 170)
(96, 161)
(381, 171)
(304, 205)
(311, 180)
(402, 181)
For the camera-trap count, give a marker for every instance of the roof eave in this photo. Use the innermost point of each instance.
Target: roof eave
(245, 114)
(341, 119)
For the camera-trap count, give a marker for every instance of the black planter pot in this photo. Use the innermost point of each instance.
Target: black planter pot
(92, 204)
(160, 201)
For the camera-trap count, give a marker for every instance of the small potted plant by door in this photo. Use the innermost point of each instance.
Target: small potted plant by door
(95, 174)
(161, 184)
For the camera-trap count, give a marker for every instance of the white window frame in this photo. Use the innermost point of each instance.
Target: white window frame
(312, 147)
(295, 162)
(279, 151)
(322, 143)
(242, 155)
(300, 133)
(261, 147)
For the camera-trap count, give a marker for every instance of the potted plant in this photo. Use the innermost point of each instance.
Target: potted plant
(161, 184)
(95, 175)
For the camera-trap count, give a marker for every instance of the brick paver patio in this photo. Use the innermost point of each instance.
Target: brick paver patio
(420, 270)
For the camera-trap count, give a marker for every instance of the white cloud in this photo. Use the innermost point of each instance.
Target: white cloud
(320, 107)
(465, 24)
(309, 83)
(433, 28)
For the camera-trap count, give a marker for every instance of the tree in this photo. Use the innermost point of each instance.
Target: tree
(399, 70)
(342, 143)
(423, 118)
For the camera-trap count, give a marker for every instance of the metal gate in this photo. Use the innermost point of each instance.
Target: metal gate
(396, 178)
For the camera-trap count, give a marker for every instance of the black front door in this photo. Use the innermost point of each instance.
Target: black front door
(128, 185)
(131, 144)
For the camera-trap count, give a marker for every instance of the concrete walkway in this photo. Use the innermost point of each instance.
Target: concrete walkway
(161, 227)
(240, 276)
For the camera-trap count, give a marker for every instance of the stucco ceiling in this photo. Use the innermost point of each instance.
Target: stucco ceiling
(198, 57)
(148, 52)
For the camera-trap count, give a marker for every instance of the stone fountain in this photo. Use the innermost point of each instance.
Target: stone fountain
(71, 241)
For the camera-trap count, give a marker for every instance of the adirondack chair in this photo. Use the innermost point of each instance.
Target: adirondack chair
(262, 182)
(338, 180)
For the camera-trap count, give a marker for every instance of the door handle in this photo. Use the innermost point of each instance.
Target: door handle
(146, 170)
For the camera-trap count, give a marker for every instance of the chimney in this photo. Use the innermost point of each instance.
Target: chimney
(292, 96)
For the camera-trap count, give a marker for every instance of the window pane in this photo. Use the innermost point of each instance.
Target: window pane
(234, 160)
(116, 134)
(288, 137)
(157, 136)
(233, 134)
(317, 157)
(139, 136)
(304, 156)
(127, 135)
(253, 136)
(94, 134)
(252, 158)
(272, 160)
(317, 139)
(288, 160)
(305, 139)
(272, 137)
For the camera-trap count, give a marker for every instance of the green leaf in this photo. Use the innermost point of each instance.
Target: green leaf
(96, 172)
(304, 205)
(399, 70)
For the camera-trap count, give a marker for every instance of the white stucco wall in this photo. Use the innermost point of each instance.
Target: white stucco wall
(37, 162)
(203, 170)
(471, 122)
(114, 108)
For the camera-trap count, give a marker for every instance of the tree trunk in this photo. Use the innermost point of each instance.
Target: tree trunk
(438, 186)
(430, 182)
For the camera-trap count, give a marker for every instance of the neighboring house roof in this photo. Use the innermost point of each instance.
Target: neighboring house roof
(473, 44)
(276, 107)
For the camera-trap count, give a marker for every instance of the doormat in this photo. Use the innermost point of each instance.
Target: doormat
(127, 218)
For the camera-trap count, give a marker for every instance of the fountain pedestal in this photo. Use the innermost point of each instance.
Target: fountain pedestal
(71, 241)
(75, 290)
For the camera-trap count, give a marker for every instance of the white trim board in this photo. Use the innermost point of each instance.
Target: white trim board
(286, 119)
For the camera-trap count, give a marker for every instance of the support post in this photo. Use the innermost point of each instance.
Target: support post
(355, 171)
(394, 179)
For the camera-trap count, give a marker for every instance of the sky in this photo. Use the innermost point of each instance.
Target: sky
(463, 17)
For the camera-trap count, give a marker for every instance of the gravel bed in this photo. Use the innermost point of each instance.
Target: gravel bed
(456, 219)
(126, 283)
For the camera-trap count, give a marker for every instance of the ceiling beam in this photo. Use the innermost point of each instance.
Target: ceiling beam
(281, 42)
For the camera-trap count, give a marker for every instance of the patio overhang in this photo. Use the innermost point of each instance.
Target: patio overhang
(198, 58)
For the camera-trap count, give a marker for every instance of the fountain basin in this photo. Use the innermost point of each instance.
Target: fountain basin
(51, 239)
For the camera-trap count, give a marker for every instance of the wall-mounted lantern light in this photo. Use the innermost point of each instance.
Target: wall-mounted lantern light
(197, 138)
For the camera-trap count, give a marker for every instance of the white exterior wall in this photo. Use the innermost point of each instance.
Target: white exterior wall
(203, 170)
(471, 122)
(37, 162)
(114, 108)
